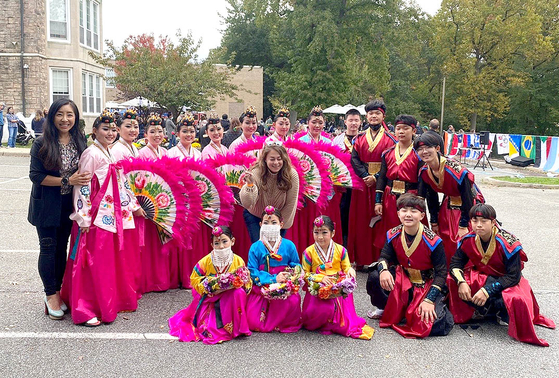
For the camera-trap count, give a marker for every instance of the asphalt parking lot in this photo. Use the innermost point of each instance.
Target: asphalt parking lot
(137, 344)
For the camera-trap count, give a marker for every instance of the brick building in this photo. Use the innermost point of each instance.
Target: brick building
(45, 57)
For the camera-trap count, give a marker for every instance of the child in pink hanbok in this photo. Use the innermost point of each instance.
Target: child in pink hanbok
(95, 285)
(187, 135)
(249, 124)
(128, 129)
(322, 262)
(274, 265)
(220, 282)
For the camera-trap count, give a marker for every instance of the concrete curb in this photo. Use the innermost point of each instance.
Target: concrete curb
(492, 181)
(22, 152)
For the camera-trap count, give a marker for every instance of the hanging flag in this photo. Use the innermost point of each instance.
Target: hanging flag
(551, 155)
(489, 146)
(515, 141)
(528, 149)
(543, 152)
(448, 138)
(555, 166)
(502, 144)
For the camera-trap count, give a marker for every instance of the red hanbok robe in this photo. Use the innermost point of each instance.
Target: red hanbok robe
(460, 194)
(519, 300)
(399, 305)
(366, 159)
(396, 171)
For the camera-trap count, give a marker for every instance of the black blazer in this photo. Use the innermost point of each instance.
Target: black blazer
(46, 201)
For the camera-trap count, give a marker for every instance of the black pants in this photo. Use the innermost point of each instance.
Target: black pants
(344, 213)
(53, 242)
(378, 295)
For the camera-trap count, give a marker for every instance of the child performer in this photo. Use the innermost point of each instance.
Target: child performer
(366, 162)
(282, 124)
(215, 132)
(187, 135)
(416, 291)
(398, 174)
(214, 317)
(95, 284)
(493, 283)
(249, 123)
(321, 261)
(267, 260)
(154, 133)
(156, 266)
(128, 129)
(450, 218)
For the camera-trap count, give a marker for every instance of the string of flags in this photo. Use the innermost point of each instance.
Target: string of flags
(544, 150)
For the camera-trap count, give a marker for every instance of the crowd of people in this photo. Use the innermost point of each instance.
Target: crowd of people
(292, 229)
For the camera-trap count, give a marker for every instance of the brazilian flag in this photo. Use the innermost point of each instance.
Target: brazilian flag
(528, 148)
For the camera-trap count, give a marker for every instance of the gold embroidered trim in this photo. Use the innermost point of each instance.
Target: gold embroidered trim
(490, 250)
(374, 168)
(409, 251)
(400, 159)
(440, 182)
(374, 142)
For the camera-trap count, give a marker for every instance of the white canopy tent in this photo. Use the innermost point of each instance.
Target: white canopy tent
(140, 101)
(114, 105)
(334, 109)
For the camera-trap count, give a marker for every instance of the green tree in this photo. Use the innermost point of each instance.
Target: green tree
(167, 73)
(481, 43)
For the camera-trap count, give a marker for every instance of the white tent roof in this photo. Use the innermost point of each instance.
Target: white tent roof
(335, 109)
(136, 102)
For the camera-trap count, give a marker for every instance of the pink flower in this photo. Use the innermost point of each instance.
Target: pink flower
(342, 178)
(109, 198)
(202, 186)
(125, 214)
(327, 162)
(162, 200)
(140, 182)
(305, 165)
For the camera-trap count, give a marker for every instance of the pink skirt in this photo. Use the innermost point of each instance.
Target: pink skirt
(155, 260)
(266, 315)
(188, 257)
(95, 284)
(212, 320)
(335, 315)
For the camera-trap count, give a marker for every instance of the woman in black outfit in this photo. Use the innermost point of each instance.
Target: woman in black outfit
(53, 171)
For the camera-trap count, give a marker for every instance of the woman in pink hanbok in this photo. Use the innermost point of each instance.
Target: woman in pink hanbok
(215, 132)
(282, 125)
(156, 265)
(214, 315)
(249, 124)
(187, 135)
(322, 261)
(95, 285)
(269, 260)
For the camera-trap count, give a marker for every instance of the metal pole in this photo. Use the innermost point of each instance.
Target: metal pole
(442, 107)
(22, 48)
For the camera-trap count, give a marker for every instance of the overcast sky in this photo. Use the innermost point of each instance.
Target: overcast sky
(122, 18)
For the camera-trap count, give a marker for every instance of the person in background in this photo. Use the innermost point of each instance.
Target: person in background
(233, 133)
(2, 105)
(170, 129)
(225, 122)
(434, 125)
(451, 129)
(12, 127)
(37, 123)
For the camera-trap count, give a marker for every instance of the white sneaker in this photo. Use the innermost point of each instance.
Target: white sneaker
(375, 314)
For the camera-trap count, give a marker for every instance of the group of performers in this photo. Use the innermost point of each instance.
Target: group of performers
(295, 228)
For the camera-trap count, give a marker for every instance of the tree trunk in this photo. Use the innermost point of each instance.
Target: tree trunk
(473, 122)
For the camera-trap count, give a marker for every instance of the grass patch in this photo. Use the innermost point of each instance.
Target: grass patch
(530, 180)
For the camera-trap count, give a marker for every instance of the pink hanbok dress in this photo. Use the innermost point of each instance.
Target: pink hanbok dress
(211, 319)
(156, 267)
(336, 315)
(265, 315)
(96, 283)
(183, 258)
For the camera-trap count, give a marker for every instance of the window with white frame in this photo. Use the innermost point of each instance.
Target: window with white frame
(89, 23)
(60, 83)
(91, 93)
(58, 14)
(109, 78)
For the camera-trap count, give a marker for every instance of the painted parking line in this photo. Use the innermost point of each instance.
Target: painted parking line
(78, 335)
(19, 251)
(14, 179)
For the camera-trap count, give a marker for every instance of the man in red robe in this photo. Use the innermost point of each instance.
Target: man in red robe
(366, 161)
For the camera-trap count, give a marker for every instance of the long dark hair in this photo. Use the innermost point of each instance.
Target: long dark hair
(50, 151)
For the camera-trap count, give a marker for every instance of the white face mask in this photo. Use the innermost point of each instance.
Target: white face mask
(270, 232)
(222, 258)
